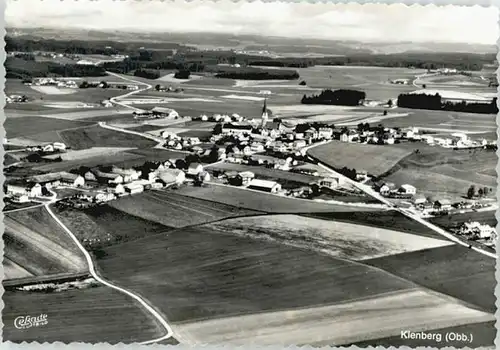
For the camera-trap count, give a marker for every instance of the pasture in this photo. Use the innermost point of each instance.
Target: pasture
(104, 225)
(118, 159)
(92, 315)
(375, 159)
(389, 219)
(453, 270)
(36, 243)
(96, 136)
(438, 172)
(446, 122)
(262, 201)
(174, 210)
(33, 126)
(336, 239)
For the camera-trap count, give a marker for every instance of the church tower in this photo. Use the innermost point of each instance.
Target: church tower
(264, 114)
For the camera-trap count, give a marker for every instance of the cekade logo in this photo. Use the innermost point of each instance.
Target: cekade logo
(25, 322)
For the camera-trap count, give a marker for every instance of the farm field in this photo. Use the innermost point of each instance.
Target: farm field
(174, 210)
(26, 126)
(336, 239)
(337, 324)
(262, 201)
(372, 80)
(224, 287)
(96, 136)
(263, 172)
(450, 221)
(104, 225)
(453, 270)
(209, 273)
(389, 219)
(92, 315)
(375, 159)
(439, 172)
(35, 242)
(447, 121)
(118, 159)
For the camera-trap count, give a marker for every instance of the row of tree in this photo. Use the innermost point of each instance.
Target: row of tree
(435, 102)
(474, 192)
(340, 97)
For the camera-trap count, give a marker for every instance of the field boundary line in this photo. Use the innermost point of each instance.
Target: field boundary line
(95, 275)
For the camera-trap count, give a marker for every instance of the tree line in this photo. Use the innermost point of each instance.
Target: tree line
(342, 97)
(435, 102)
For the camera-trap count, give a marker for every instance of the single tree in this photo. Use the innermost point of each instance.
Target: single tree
(389, 103)
(157, 87)
(480, 192)
(471, 192)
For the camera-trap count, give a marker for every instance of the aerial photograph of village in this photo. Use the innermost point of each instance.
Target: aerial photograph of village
(221, 176)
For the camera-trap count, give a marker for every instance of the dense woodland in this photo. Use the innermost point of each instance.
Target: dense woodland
(336, 97)
(434, 102)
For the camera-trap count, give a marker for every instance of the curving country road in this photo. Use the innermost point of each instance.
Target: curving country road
(115, 99)
(94, 274)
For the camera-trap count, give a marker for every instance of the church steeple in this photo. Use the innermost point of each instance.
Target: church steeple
(264, 113)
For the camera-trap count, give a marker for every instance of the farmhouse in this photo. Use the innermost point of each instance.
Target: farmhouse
(133, 188)
(386, 188)
(104, 197)
(116, 188)
(60, 178)
(164, 112)
(232, 128)
(419, 200)
(127, 174)
(264, 185)
(442, 204)
(331, 182)
(31, 190)
(59, 146)
(171, 176)
(246, 177)
(407, 189)
(325, 133)
(20, 198)
(478, 230)
(195, 169)
(108, 177)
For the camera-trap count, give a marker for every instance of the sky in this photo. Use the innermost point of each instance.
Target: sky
(377, 22)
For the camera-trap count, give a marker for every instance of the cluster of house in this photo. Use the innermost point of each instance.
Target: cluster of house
(457, 140)
(220, 118)
(248, 179)
(389, 136)
(162, 88)
(113, 182)
(15, 98)
(389, 189)
(64, 83)
(477, 231)
(157, 112)
(173, 141)
(49, 148)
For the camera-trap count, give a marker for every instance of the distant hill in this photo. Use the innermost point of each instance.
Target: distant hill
(279, 45)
